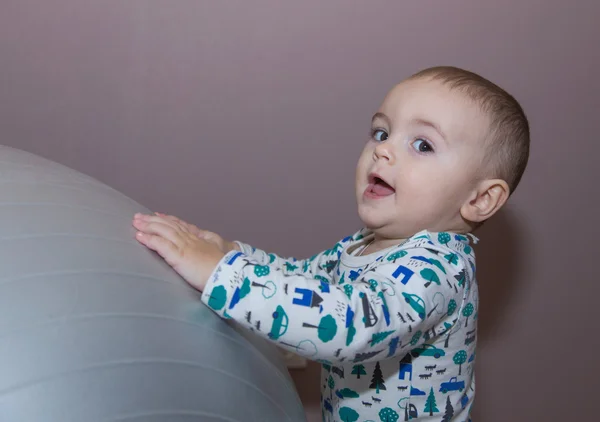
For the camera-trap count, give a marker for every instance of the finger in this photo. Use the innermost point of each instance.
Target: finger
(188, 226)
(162, 229)
(160, 245)
(157, 219)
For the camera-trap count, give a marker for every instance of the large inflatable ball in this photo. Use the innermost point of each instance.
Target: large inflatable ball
(95, 327)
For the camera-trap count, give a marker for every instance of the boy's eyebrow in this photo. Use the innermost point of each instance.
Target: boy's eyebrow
(381, 116)
(432, 125)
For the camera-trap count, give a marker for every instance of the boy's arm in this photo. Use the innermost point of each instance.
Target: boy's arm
(352, 321)
(321, 264)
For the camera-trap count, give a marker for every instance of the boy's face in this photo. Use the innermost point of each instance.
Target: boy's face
(422, 161)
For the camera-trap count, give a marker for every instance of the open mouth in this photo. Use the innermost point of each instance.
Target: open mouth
(378, 187)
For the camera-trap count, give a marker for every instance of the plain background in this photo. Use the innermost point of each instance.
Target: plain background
(247, 118)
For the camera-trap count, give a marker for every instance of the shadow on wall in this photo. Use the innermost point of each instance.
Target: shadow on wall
(500, 256)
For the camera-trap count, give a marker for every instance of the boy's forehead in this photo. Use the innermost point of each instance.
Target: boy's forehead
(433, 101)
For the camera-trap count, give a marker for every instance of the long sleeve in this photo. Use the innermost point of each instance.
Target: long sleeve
(319, 265)
(349, 321)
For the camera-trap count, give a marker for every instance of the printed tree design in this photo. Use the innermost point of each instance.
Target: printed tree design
(467, 312)
(459, 358)
(306, 266)
(415, 338)
(329, 266)
(348, 290)
(387, 414)
(350, 334)
(268, 289)
(452, 258)
(327, 328)
(397, 255)
(379, 337)
(245, 289)
(468, 249)
(307, 348)
(377, 379)
(444, 238)
(430, 404)
(331, 382)
(431, 277)
(452, 330)
(461, 277)
(358, 370)
(449, 411)
(451, 307)
(261, 270)
(348, 415)
(218, 298)
(290, 267)
(348, 393)
(438, 264)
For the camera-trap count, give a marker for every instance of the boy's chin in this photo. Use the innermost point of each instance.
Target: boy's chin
(371, 219)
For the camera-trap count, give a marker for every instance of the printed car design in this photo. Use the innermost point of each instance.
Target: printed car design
(427, 350)
(452, 385)
(280, 323)
(416, 303)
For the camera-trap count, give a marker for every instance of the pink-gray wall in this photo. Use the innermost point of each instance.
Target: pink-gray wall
(247, 117)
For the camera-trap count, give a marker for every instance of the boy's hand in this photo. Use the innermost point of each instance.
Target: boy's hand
(211, 237)
(182, 245)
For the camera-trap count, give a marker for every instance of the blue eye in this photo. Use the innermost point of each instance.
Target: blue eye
(422, 145)
(380, 135)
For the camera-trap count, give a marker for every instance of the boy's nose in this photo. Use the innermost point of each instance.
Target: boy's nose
(384, 151)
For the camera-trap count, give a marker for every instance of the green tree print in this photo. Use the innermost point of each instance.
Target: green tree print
(379, 337)
(373, 284)
(290, 267)
(348, 290)
(449, 411)
(397, 255)
(387, 414)
(431, 277)
(218, 298)
(261, 270)
(452, 258)
(430, 404)
(348, 393)
(467, 312)
(245, 289)
(377, 381)
(461, 277)
(350, 334)
(358, 370)
(459, 358)
(444, 238)
(331, 382)
(438, 264)
(306, 265)
(348, 415)
(327, 328)
(451, 307)
(415, 338)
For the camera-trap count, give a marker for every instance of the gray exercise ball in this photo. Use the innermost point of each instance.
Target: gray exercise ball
(95, 327)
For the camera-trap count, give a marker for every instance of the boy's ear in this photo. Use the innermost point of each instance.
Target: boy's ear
(487, 199)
